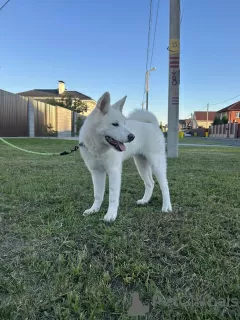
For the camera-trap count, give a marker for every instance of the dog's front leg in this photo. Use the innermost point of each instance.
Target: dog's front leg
(98, 178)
(114, 194)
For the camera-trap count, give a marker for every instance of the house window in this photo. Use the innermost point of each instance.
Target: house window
(238, 115)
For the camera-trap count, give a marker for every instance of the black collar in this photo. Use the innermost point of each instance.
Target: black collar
(81, 144)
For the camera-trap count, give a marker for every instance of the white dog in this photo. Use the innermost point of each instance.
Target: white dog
(101, 141)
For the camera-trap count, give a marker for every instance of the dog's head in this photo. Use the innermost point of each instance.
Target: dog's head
(111, 123)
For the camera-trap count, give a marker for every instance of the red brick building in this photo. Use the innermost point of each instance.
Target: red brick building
(232, 112)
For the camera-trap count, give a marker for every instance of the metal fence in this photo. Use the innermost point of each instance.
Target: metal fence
(229, 130)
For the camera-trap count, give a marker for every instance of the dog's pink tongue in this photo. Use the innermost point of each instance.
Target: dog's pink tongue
(122, 146)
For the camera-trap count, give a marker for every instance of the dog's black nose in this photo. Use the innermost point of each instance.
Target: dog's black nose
(131, 137)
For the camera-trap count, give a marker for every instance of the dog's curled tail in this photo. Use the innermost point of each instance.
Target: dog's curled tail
(143, 116)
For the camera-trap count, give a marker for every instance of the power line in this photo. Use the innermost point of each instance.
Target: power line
(149, 33)
(203, 108)
(182, 12)
(214, 104)
(148, 43)
(154, 33)
(4, 5)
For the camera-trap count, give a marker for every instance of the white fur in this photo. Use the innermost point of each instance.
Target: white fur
(148, 150)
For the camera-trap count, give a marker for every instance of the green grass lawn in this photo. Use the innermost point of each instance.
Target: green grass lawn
(202, 140)
(57, 264)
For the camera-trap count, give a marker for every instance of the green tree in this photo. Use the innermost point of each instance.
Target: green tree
(70, 103)
(224, 120)
(216, 120)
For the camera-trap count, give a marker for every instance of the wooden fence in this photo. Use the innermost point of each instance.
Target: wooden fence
(13, 115)
(45, 118)
(22, 116)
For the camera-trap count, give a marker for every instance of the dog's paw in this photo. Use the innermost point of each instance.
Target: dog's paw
(142, 201)
(110, 216)
(90, 211)
(167, 208)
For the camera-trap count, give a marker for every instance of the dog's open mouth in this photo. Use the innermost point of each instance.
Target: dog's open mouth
(119, 146)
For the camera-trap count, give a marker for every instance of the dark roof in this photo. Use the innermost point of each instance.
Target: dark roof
(202, 115)
(53, 93)
(233, 107)
(182, 121)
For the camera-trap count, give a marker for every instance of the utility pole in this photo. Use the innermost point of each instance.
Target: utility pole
(192, 121)
(207, 114)
(146, 86)
(147, 78)
(174, 79)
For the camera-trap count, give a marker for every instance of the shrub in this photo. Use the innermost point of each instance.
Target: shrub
(48, 130)
(224, 120)
(217, 120)
(79, 123)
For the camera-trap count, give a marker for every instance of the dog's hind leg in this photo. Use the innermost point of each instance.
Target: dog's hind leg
(99, 179)
(159, 167)
(145, 171)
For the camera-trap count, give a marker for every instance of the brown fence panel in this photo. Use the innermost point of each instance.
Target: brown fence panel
(49, 120)
(13, 115)
(45, 119)
(64, 122)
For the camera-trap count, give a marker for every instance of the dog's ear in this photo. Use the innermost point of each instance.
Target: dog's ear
(119, 105)
(103, 103)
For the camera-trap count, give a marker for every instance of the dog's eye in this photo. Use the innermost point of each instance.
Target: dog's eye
(115, 124)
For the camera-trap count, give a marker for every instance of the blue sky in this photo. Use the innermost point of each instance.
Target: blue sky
(96, 46)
